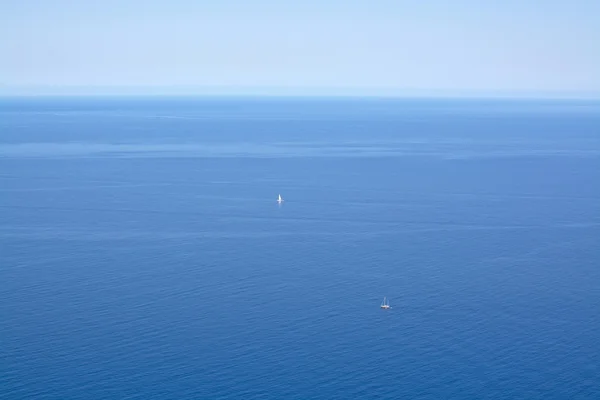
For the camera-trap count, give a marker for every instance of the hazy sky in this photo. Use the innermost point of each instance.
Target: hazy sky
(376, 45)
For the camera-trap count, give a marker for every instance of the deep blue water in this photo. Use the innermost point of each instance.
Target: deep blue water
(143, 254)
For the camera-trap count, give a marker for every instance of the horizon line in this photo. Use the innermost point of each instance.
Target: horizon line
(11, 91)
(297, 96)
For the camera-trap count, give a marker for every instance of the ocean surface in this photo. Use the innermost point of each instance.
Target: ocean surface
(143, 254)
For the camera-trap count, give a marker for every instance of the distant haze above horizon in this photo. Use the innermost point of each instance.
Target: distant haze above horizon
(381, 48)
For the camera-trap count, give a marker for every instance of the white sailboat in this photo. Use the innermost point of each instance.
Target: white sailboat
(385, 304)
(279, 199)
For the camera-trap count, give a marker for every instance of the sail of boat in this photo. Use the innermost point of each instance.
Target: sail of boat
(385, 304)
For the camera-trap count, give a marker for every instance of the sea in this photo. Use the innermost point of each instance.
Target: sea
(144, 255)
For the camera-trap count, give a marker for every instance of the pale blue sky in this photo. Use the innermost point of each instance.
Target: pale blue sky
(310, 46)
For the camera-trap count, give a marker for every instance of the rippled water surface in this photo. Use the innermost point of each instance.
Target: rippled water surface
(143, 254)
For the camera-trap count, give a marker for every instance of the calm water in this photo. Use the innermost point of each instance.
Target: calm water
(143, 254)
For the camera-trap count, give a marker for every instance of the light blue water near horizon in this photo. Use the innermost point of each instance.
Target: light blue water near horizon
(143, 254)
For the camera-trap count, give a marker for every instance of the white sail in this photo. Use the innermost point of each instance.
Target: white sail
(385, 304)
(279, 199)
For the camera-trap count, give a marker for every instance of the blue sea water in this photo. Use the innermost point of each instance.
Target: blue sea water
(143, 254)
